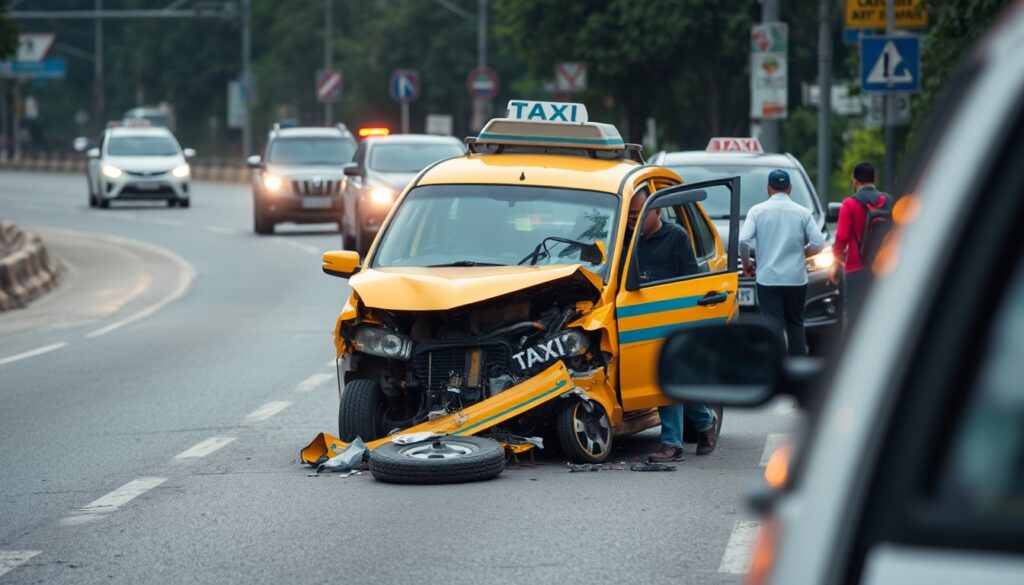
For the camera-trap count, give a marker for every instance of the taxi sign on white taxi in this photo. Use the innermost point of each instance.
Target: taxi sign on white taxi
(728, 144)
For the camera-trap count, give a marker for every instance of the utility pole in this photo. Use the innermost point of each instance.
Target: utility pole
(98, 101)
(825, 99)
(247, 78)
(770, 128)
(481, 108)
(328, 52)
(890, 110)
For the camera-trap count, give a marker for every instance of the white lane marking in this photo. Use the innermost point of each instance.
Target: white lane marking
(33, 352)
(216, 229)
(736, 559)
(771, 443)
(165, 222)
(10, 559)
(204, 448)
(186, 275)
(313, 382)
(267, 410)
(304, 247)
(114, 500)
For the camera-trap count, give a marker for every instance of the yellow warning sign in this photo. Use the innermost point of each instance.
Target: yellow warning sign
(870, 14)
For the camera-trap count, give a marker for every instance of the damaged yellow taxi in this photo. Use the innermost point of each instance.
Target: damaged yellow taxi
(506, 297)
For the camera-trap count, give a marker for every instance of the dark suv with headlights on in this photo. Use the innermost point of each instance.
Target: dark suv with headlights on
(299, 176)
(382, 167)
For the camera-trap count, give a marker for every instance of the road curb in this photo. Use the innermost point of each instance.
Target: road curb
(27, 271)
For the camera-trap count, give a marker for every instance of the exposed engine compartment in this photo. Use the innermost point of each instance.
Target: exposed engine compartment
(458, 357)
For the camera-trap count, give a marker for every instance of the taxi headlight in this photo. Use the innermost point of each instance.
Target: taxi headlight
(574, 342)
(272, 183)
(181, 172)
(821, 260)
(383, 343)
(111, 172)
(382, 195)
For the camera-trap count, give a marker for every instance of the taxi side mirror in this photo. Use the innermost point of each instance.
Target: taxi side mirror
(341, 263)
(733, 364)
(593, 253)
(353, 170)
(93, 153)
(254, 161)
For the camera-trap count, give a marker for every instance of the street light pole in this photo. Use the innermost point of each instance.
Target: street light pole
(770, 128)
(890, 113)
(825, 99)
(247, 78)
(328, 52)
(98, 102)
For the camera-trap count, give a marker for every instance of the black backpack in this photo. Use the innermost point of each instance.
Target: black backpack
(878, 222)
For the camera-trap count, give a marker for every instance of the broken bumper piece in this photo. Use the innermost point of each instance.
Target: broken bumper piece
(529, 394)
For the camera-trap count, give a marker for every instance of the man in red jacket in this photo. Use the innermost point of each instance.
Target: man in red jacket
(849, 234)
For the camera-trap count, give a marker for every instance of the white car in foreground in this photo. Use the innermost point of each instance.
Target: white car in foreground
(140, 164)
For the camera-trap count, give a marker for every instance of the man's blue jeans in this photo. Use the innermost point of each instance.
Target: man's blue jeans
(697, 414)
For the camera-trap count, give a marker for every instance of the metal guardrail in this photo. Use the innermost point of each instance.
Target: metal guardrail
(203, 169)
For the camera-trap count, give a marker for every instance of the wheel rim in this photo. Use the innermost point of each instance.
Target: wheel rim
(590, 425)
(438, 450)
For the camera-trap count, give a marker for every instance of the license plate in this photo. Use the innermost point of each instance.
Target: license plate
(747, 297)
(316, 202)
(147, 186)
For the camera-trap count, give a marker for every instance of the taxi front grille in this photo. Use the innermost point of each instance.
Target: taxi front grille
(436, 367)
(310, 187)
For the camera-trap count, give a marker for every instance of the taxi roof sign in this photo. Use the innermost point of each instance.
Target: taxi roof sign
(728, 144)
(550, 124)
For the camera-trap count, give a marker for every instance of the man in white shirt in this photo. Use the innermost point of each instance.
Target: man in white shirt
(784, 234)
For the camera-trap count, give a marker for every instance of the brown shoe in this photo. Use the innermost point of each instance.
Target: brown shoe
(665, 454)
(708, 440)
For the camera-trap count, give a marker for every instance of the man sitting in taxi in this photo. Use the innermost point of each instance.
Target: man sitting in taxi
(665, 252)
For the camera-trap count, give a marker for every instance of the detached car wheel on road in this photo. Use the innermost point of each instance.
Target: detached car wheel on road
(439, 460)
(504, 293)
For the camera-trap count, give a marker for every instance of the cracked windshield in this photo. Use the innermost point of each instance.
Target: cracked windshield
(705, 292)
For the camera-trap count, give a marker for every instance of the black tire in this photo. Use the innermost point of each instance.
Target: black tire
(361, 411)
(186, 203)
(103, 203)
(92, 196)
(260, 224)
(172, 202)
(690, 434)
(584, 432)
(444, 460)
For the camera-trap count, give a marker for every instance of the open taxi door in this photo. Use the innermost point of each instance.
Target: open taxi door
(648, 310)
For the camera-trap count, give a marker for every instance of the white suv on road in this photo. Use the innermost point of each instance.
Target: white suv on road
(138, 163)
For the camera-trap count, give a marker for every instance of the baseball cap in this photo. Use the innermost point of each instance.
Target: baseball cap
(779, 180)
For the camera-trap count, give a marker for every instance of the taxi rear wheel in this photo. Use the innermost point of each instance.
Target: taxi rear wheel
(584, 432)
(361, 411)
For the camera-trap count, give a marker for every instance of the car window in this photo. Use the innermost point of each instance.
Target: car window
(440, 225)
(753, 186)
(704, 240)
(984, 470)
(311, 151)
(142, 146)
(409, 157)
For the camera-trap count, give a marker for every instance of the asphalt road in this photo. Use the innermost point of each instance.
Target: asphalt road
(152, 411)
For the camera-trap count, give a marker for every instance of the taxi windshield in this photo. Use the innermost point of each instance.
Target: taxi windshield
(753, 181)
(141, 146)
(410, 157)
(496, 225)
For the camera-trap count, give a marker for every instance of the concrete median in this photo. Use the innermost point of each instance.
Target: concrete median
(27, 270)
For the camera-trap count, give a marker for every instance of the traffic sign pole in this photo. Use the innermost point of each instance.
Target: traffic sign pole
(890, 115)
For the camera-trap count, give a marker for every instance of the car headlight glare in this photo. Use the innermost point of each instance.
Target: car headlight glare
(181, 172)
(111, 172)
(383, 343)
(821, 260)
(272, 183)
(382, 195)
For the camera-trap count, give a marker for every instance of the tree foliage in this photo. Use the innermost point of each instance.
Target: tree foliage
(8, 33)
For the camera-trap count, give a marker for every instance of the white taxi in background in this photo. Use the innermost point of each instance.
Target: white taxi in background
(138, 162)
